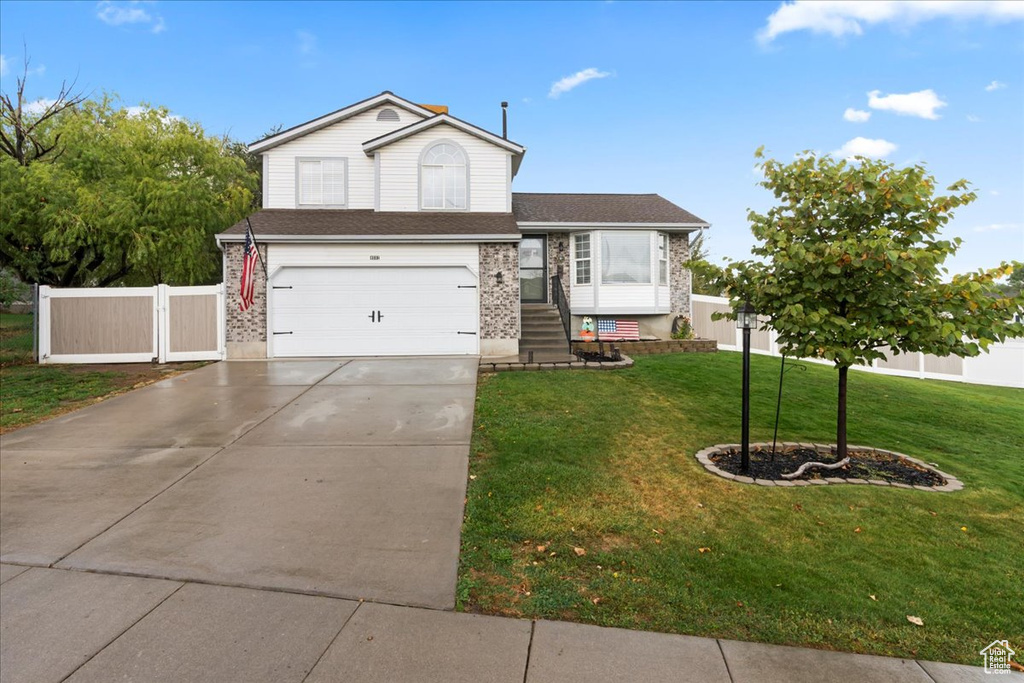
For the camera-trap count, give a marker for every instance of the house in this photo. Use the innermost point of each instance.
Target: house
(390, 228)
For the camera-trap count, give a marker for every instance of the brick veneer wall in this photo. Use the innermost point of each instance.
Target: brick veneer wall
(678, 273)
(558, 257)
(249, 325)
(499, 303)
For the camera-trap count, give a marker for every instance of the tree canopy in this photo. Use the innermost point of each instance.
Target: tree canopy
(850, 264)
(127, 196)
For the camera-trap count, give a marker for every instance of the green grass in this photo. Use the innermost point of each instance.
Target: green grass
(30, 392)
(603, 461)
(15, 339)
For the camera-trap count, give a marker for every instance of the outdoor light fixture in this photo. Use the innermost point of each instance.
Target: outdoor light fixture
(746, 320)
(499, 277)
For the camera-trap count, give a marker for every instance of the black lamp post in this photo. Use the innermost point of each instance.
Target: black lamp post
(746, 320)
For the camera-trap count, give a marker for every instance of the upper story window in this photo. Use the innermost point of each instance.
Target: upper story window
(662, 259)
(581, 250)
(625, 257)
(321, 182)
(444, 181)
(387, 115)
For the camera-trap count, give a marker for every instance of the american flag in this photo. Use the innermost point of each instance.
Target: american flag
(615, 330)
(248, 284)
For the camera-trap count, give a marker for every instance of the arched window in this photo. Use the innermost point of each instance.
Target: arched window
(444, 181)
(387, 115)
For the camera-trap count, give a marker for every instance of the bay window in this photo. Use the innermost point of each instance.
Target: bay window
(662, 259)
(625, 257)
(582, 258)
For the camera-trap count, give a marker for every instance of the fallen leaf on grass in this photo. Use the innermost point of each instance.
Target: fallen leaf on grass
(595, 600)
(873, 598)
(703, 550)
(915, 620)
(580, 552)
(658, 531)
(541, 548)
(472, 476)
(963, 528)
(857, 530)
(16, 410)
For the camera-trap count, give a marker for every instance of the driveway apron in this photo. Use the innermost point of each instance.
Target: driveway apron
(338, 478)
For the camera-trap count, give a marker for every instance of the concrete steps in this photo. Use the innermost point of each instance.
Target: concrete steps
(542, 330)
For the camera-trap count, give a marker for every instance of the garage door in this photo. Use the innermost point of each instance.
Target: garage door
(373, 311)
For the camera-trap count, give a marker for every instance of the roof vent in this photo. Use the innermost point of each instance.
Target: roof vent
(387, 115)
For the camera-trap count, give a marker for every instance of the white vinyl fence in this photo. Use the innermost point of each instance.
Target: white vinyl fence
(131, 324)
(1003, 365)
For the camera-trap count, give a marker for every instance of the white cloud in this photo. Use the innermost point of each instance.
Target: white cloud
(866, 147)
(973, 119)
(849, 17)
(3, 65)
(994, 193)
(307, 42)
(922, 103)
(38, 107)
(994, 227)
(577, 79)
(856, 115)
(118, 13)
(994, 85)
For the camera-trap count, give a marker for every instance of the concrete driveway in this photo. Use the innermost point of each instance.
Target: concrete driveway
(336, 478)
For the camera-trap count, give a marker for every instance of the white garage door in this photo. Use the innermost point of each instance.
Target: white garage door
(373, 311)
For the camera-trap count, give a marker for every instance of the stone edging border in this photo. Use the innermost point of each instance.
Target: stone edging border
(626, 362)
(704, 458)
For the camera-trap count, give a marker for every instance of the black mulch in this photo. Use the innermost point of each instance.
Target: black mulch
(862, 465)
(596, 357)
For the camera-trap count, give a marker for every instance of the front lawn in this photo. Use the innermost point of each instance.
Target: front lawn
(30, 392)
(585, 503)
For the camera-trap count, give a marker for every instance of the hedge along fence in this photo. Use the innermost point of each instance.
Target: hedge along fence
(1003, 365)
(131, 324)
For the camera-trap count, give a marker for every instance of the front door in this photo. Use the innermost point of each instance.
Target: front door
(533, 280)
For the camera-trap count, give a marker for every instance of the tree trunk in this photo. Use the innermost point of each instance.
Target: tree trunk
(841, 416)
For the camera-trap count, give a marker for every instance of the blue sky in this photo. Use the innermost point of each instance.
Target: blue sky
(678, 96)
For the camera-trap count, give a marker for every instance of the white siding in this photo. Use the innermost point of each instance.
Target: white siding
(342, 139)
(399, 171)
(618, 299)
(280, 255)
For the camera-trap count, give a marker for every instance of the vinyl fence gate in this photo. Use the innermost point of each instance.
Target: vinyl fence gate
(131, 324)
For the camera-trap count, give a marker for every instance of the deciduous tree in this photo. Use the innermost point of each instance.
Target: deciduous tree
(134, 197)
(850, 264)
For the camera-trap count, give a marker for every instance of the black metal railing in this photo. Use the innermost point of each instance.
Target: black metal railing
(559, 299)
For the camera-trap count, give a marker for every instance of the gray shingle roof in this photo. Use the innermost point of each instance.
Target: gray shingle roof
(329, 222)
(598, 208)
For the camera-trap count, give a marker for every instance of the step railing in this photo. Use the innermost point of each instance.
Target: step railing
(561, 302)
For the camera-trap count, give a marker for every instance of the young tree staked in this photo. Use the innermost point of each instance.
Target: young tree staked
(849, 265)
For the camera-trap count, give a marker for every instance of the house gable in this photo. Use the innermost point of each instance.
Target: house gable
(342, 139)
(488, 166)
(385, 99)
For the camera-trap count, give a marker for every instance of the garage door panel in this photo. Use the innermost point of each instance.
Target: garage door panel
(333, 311)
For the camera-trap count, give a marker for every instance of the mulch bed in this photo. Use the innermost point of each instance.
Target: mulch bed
(597, 357)
(863, 465)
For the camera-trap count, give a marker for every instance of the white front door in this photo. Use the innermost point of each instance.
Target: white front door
(366, 311)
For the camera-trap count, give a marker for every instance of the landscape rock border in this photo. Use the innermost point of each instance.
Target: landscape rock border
(704, 458)
(522, 366)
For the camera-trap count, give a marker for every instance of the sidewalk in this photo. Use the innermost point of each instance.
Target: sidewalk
(77, 626)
